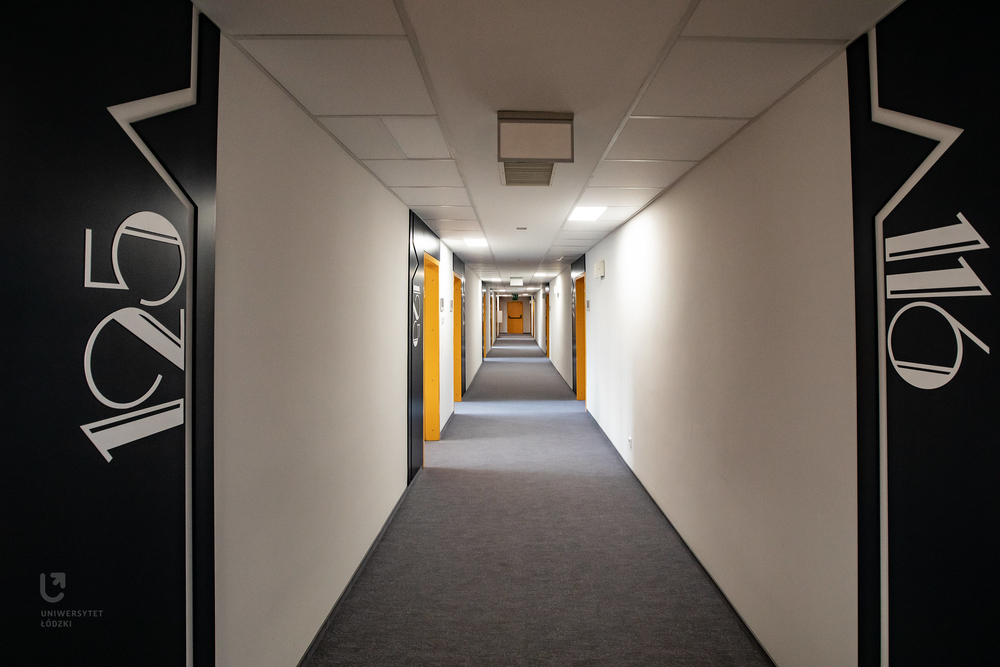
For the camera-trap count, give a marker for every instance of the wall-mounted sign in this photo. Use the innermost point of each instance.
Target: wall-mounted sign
(109, 197)
(927, 223)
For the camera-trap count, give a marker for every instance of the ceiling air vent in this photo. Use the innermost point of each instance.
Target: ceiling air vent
(526, 173)
(529, 143)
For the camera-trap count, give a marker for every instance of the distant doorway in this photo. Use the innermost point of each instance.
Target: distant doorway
(515, 317)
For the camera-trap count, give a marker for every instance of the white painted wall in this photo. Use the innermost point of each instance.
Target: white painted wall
(561, 324)
(473, 325)
(446, 358)
(539, 299)
(310, 374)
(503, 317)
(722, 339)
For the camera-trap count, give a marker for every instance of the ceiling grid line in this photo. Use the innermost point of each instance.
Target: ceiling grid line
(411, 35)
(661, 58)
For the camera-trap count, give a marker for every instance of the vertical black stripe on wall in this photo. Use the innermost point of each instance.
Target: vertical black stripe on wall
(113, 530)
(867, 369)
(421, 240)
(186, 141)
(937, 64)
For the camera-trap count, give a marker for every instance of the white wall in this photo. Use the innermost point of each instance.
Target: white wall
(503, 318)
(538, 319)
(446, 358)
(561, 324)
(722, 339)
(473, 325)
(310, 393)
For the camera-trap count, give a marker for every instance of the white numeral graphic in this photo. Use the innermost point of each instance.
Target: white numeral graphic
(123, 429)
(962, 281)
(145, 327)
(144, 225)
(961, 237)
(928, 376)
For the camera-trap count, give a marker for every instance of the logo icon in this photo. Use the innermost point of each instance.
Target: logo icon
(58, 579)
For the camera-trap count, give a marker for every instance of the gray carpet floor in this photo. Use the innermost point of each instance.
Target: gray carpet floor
(527, 541)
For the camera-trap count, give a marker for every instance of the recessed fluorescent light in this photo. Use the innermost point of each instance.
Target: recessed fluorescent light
(587, 212)
(454, 242)
(479, 243)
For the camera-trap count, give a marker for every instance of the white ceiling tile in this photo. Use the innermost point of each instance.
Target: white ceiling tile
(345, 76)
(365, 137)
(618, 213)
(815, 19)
(416, 172)
(639, 173)
(304, 17)
(418, 137)
(453, 225)
(617, 196)
(729, 78)
(577, 235)
(445, 212)
(433, 196)
(672, 138)
(591, 226)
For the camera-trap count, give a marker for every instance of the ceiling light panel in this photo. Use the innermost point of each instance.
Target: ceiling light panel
(418, 137)
(346, 76)
(672, 138)
(364, 136)
(305, 17)
(416, 172)
(639, 173)
(729, 78)
(433, 196)
(816, 19)
(618, 196)
(475, 242)
(587, 212)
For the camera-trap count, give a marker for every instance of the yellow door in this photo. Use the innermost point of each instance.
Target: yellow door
(457, 337)
(581, 340)
(432, 350)
(515, 317)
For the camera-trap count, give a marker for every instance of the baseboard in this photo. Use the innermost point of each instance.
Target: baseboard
(314, 644)
(743, 624)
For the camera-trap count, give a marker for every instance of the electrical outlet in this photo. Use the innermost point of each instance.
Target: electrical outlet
(630, 443)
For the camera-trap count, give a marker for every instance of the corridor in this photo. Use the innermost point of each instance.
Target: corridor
(527, 541)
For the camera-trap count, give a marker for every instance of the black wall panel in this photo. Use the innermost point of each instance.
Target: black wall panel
(422, 240)
(104, 246)
(927, 223)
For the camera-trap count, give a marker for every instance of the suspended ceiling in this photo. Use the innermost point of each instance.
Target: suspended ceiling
(411, 89)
